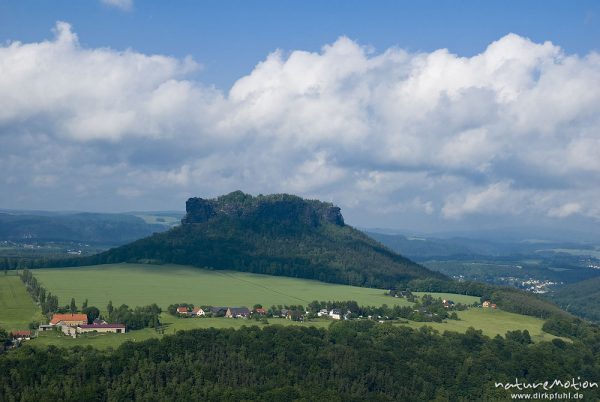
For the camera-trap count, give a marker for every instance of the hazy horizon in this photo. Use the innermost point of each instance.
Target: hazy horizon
(442, 127)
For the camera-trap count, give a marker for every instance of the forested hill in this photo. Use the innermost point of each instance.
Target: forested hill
(581, 298)
(276, 235)
(108, 229)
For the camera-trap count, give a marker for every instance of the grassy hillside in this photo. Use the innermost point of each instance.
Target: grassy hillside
(17, 309)
(491, 322)
(136, 284)
(139, 284)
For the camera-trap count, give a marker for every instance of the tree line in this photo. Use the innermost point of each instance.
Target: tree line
(350, 361)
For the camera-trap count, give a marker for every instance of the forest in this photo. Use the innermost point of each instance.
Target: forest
(350, 361)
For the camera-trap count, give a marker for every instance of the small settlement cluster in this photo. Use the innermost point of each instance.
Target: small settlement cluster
(244, 312)
(73, 324)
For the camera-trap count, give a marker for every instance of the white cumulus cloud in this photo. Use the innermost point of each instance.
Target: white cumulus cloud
(392, 135)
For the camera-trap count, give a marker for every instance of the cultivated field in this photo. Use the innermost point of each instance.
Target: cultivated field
(17, 309)
(138, 285)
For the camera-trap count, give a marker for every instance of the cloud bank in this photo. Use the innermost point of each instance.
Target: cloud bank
(512, 131)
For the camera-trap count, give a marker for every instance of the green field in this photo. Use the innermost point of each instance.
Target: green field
(492, 323)
(456, 298)
(16, 306)
(138, 285)
(172, 325)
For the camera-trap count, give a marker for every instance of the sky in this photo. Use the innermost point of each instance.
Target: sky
(420, 115)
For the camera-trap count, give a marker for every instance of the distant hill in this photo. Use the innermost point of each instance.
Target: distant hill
(581, 298)
(277, 235)
(109, 229)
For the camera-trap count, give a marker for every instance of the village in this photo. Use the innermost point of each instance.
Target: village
(69, 321)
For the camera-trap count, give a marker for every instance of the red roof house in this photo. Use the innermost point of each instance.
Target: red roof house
(69, 319)
(20, 334)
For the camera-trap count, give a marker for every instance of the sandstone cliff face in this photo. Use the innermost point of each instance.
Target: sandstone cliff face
(275, 209)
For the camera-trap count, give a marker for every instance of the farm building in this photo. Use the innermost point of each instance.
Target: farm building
(182, 310)
(197, 312)
(115, 328)
(218, 311)
(448, 303)
(323, 312)
(21, 335)
(71, 320)
(237, 312)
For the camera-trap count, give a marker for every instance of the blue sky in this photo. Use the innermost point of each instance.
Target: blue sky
(424, 115)
(230, 37)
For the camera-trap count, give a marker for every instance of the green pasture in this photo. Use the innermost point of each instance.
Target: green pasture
(171, 326)
(456, 298)
(492, 322)
(17, 309)
(138, 285)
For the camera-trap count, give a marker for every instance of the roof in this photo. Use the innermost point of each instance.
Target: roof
(56, 318)
(21, 333)
(196, 309)
(239, 310)
(260, 310)
(102, 326)
(217, 309)
(182, 309)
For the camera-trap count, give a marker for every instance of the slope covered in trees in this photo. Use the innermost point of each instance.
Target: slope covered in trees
(110, 229)
(581, 298)
(276, 235)
(352, 361)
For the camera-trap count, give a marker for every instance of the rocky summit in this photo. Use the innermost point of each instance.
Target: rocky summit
(276, 208)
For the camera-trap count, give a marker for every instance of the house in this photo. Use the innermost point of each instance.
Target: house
(70, 320)
(493, 305)
(99, 321)
(294, 315)
(182, 310)
(336, 314)
(198, 312)
(114, 328)
(218, 311)
(486, 304)
(21, 335)
(260, 311)
(46, 327)
(322, 312)
(237, 312)
(448, 303)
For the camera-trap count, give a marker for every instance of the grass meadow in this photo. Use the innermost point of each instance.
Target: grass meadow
(17, 309)
(491, 322)
(138, 284)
